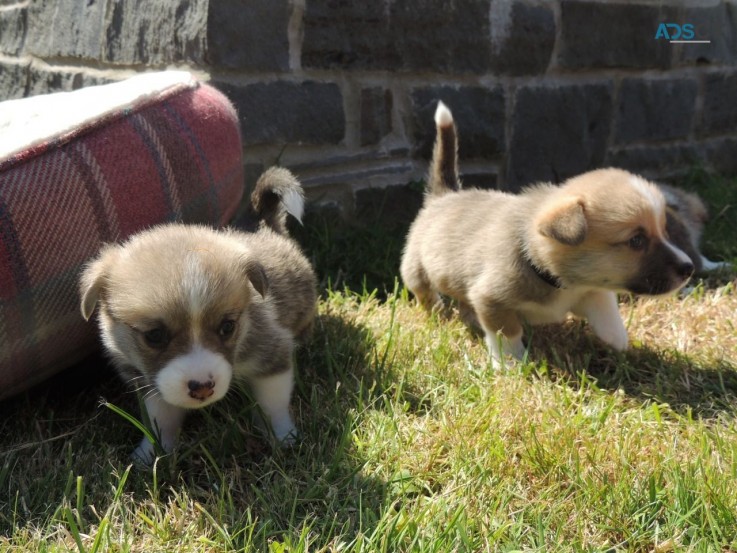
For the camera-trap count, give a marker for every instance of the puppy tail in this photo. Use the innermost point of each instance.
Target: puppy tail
(277, 193)
(443, 177)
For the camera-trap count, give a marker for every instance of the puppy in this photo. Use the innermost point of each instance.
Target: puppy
(540, 255)
(685, 216)
(185, 310)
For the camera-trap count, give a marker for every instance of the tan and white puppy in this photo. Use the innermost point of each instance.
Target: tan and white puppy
(686, 215)
(541, 255)
(185, 310)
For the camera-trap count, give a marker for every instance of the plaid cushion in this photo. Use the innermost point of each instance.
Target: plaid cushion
(176, 157)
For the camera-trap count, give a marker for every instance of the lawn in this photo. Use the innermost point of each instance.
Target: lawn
(410, 442)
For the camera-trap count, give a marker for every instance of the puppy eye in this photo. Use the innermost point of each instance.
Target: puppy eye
(226, 328)
(156, 338)
(638, 242)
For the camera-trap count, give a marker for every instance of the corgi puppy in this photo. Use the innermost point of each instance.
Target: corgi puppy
(686, 215)
(541, 255)
(185, 310)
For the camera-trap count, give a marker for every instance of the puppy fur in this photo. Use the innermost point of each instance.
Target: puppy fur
(686, 215)
(185, 310)
(540, 255)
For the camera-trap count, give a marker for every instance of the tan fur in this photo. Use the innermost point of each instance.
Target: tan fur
(194, 282)
(480, 248)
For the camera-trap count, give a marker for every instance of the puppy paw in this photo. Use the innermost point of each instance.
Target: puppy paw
(145, 454)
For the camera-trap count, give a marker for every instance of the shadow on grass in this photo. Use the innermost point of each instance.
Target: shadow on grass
(58, 432)
(643, 373)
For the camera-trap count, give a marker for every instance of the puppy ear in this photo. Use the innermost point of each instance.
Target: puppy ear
(564, 221)
(257, 275)
(93, 280)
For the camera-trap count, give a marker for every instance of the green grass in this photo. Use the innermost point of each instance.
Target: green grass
(410, 442)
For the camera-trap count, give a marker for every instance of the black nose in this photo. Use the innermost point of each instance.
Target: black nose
(685, 270)
(194, 385)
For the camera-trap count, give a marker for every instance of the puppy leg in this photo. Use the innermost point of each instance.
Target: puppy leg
(416, 281)
(601, 311)
(709, 265)
(166, 420)
(273, 393)
(503, 332)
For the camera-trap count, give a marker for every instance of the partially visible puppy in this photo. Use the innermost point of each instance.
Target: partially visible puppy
(686, 215)
(184, 310)
(542, 254)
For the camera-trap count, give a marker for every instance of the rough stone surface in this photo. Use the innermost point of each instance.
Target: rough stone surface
(656, 161)
(529, 43)
(253, 39)
(376, 114)
(13, 25)
(720, 103)
(655, 109)
(281, 111)
(66, 28)
(721, 155)
(478, 113)
(45, 81)
(558, 132)
(403, 35)
(13, 80)
(130, 32)
(717, 24)
(598, 34)
(141, 31)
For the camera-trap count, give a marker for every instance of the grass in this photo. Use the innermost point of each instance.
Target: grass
(410, 441)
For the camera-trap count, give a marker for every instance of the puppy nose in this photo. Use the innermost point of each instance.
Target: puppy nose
(200, 390)
(685, 270)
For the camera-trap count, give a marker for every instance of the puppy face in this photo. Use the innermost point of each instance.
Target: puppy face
(607, 229)
(174, 308)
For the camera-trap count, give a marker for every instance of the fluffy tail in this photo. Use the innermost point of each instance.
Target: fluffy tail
(277, 193)
(443, 175)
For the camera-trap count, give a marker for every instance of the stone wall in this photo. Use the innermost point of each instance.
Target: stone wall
(343, 92)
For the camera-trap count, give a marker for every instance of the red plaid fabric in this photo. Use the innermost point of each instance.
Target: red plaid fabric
(177, 158)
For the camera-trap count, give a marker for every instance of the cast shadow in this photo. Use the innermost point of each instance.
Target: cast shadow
(59, 430)
(644, 373)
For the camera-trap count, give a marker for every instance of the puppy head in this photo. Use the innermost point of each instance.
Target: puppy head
(607, 229)
(173, 309)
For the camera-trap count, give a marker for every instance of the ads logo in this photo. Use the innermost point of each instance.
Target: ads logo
(680, 34)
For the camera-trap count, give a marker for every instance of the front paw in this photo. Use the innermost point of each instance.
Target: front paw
(144, 454)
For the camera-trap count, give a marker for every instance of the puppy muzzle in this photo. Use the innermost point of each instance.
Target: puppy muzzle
(196, 379)
(665, 269)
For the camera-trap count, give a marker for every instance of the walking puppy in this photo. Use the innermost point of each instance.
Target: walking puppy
(540, 255)
(184, 310)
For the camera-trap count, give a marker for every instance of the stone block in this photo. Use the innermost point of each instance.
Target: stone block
(656, 161)
(558, 132)
(13, 80)
(720, 103)
(141, 31)
(66, 29)
(44, 80)
(718, 24)
(376, 114)
(600, 34)
(276, 112)
(13, 27)
(523, 39)
(655, 109)
(450, 36)
(130, 32)
(721, 155)
(479, 114)
(252, 38)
